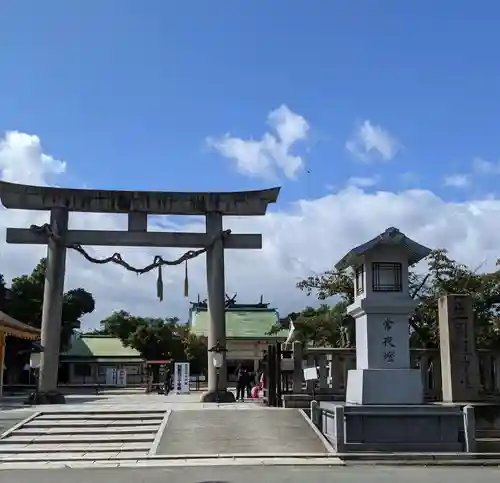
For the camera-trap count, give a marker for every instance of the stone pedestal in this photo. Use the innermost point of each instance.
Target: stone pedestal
(383, 374)
(384, 386)
(394, 428)
(223, 396)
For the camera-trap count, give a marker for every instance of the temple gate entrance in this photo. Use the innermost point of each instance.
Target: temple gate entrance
(137, 205)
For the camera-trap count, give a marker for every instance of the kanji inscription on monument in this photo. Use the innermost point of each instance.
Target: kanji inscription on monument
(387, 342)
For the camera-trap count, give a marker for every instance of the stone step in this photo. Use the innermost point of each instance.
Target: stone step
(50, 423)
(102, 416)
(46, 457)
(59, 439)
(487, 433)
(96, 430)
(107, 410)
(488, 445)
(83, 448)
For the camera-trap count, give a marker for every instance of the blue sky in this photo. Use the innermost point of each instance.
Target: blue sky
(128, 91)
(387, 95)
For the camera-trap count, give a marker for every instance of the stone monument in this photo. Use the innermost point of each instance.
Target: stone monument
(459, 363)
(384, 409)
(137, 205)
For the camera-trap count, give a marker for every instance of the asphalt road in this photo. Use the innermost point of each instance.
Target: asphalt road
(269, 474)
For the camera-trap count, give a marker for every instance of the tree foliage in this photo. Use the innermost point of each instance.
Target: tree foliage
(25, 303)
(330, 324)
(157, 338)
(323, 326)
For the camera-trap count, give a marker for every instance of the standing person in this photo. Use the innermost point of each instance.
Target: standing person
(241, 384)
(168, 381)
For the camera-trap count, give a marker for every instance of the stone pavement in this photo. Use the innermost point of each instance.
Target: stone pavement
(132, 428)
(273, 431)
(111, 400)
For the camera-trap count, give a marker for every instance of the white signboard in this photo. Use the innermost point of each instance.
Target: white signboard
(181, 377)
(310, 373)
(35, 359)
(121, 377)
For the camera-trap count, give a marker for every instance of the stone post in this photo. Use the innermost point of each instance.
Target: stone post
(459, 363)
(216, 310)
(298, 374)
(52, 303)
(323, 372)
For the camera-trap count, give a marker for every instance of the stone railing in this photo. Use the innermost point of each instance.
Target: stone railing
(333, 365)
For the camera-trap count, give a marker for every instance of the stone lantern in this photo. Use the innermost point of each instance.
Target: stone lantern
(384, 408)
(381, 310)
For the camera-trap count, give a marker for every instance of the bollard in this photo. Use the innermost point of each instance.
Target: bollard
(316, 416)
(469, 429)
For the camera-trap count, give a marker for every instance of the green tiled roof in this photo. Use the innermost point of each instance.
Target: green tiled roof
(100, 346)
(241, 324)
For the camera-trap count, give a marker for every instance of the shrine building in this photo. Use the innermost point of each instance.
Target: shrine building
(247, 331)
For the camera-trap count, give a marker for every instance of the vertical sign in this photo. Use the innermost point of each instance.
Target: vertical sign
(181, 377)
(186, 377)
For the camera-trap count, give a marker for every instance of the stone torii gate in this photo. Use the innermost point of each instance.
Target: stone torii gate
(137, 205)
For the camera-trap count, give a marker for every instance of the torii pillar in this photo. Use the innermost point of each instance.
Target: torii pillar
(137, 205)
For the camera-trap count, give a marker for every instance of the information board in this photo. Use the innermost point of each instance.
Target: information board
(181, 377)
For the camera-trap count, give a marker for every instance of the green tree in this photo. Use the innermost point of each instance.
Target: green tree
(323, 326)
(443, 276)
(157, 338)
(447, 276)
(25, 304)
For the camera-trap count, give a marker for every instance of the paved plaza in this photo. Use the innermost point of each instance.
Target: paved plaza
(114, 431)
(130, 428)
(271, 431)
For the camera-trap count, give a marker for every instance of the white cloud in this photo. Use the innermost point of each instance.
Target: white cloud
(364, 182)
(298, 240)
(483, 167)
(370, 142)
(21, 158)
(272, 154)
(457, 180)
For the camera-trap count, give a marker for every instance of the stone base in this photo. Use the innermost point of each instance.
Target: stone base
(384, 386)
(303, 400)
(42, 398)
(220, 397)
(422, 429)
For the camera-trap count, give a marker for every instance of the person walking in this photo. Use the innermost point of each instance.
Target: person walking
(168, 381)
